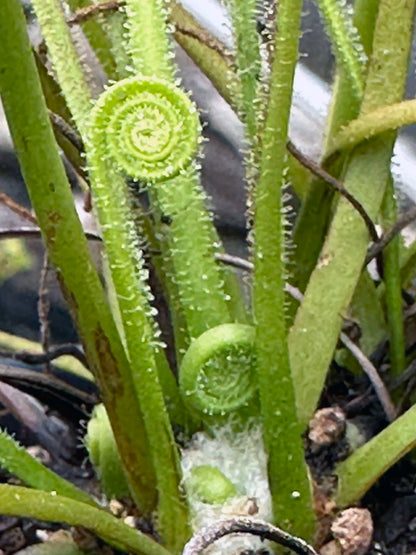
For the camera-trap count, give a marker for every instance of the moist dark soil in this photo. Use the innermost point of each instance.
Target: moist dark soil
(392, 500)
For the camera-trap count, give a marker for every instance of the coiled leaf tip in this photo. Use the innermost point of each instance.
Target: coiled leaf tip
(217, 371)
(149, 128)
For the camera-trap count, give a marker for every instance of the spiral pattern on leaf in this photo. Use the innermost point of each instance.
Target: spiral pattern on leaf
(149, 128)
(217, 374)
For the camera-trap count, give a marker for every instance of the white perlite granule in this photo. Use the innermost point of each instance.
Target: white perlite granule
(242, 459)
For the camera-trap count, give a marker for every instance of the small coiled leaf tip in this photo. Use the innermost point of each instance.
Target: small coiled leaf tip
(148, 127)
(217, 373)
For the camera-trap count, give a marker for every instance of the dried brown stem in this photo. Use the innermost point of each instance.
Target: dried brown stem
(207, 39)
(53, 353)
(235, 261)
(317, 170)
(66, 130)
(374, 377)
(17, 208)
(43, 309)
(84, 14)
(408, 217)
(17, 376)
(241, 525)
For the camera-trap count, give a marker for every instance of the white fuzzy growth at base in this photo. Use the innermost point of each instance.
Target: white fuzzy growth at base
(242, 459)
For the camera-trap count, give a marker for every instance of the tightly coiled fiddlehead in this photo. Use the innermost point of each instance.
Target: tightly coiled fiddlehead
(149, 128)
(132, 299)
(217, 374)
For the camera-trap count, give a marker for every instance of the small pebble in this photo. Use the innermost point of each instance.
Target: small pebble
(327, 426)
(353, 529)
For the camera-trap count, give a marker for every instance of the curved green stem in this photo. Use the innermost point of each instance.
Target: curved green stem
(282, 433)
(386, 118)
(217, 371)
(345, 40)
(181, 201)
(133, 295)
(393, 286)
(149, 45)
(363, 468)
(148, 128)
(248, 61)
(65, 60)
(17, 460)
(29, 503)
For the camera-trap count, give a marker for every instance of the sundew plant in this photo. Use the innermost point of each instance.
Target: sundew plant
(214, 430)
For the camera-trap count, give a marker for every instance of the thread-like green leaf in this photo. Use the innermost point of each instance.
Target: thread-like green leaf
(386, 118)
(17, 461)
(148, 44)
(345, 40)
(65, 59)
(24, 502)
(103, 453)
(393, 286)
(248, 61)
(217, 371)
(361, 470)
(289, 483)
